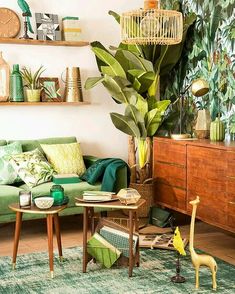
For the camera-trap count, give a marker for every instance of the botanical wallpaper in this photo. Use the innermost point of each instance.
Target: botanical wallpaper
(209, 53)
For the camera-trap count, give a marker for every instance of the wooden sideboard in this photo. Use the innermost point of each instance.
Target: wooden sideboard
(186, 169)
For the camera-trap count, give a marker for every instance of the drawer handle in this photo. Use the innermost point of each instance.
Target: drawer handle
(232, 202)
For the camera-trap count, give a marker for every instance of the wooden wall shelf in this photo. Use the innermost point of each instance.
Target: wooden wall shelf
(43, 103)
(43, 43)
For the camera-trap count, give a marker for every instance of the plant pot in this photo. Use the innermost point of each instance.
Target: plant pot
(33, 95)
(146, 191)
(202, 127)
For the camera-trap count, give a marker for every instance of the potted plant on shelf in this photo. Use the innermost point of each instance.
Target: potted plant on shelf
(31, 82)
(131, 75)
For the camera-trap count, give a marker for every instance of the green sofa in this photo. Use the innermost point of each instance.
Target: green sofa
(10, 194)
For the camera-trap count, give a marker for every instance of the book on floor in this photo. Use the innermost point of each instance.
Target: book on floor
(102, 250)
(66, 179)
(162, 241)
(119, 239)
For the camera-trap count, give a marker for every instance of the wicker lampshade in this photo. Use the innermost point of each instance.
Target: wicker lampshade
(152, 25)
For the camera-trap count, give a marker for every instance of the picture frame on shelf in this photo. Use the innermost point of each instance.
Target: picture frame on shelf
(48, 27)
(50, 90)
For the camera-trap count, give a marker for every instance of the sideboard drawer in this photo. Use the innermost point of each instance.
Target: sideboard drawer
(170, 152)
(172, 175)
(231, 214)
(170, 197)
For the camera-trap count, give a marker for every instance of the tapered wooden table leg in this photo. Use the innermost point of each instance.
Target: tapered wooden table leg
(137, 244)
(58, 235)
(85, 231)
(50, 242)
(131, 256)
(17, 236)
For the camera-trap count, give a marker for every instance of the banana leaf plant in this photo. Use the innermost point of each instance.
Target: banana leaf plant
(131, 74)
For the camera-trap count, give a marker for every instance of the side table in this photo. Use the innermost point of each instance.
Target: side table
(133, 226)
(52, 217)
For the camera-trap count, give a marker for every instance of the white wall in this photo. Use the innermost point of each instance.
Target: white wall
(91, 124)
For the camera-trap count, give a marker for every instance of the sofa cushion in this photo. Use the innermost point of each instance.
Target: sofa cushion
(70, 190)
(8, 195)
(32, 167)
(7, 173)
(3, 142)
(29, 145)
(65, 158)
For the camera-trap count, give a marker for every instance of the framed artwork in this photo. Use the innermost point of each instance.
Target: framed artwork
(50, 90)
(48, 27)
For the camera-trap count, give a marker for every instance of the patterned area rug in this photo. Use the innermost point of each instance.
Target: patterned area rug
(153, 276)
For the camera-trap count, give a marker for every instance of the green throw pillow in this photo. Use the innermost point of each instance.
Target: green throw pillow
(32, 167)
(7, 173)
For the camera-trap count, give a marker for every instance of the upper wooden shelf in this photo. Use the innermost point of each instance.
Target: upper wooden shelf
(44, 43)
(43, 103)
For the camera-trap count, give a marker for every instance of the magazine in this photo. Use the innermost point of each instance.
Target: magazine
(163, 241)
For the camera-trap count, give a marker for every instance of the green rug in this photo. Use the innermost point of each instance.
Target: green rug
(153, 276)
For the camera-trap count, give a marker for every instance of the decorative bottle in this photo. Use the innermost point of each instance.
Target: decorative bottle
(16, 85)
(217, 131)
(4, 79)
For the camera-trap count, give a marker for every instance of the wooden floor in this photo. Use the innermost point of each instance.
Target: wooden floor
(34, 239)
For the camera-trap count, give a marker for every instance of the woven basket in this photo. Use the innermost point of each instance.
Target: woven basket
(146, 191)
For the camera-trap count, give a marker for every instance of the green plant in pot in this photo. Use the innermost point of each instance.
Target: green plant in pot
(131, 74)
(32, 83)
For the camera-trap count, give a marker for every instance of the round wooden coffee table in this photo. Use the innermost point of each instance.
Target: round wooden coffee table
(51, 216)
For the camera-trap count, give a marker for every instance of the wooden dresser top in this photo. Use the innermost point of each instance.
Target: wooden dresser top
(196, 142)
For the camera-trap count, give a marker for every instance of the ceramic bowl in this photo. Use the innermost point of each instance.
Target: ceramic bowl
(44, 202)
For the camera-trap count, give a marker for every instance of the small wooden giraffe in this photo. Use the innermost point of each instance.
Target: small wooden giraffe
(202, 259)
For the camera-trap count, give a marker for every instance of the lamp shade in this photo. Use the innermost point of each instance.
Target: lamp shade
(151, 25)
(200, 87)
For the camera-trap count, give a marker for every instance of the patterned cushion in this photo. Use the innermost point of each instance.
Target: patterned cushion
(32, 167)
(65, 158)
(7, 173)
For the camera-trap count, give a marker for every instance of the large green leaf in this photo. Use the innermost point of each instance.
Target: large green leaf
(141, 105)
(92, 82)
(132, 112)
(153, 121)
(115, 15)
(142, 79)
(110, 60)
(138, 62)
(125, 124)
(99, 62)
(120, 89)
(154, 117)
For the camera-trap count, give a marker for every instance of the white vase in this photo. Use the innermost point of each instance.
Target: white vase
(202, 127)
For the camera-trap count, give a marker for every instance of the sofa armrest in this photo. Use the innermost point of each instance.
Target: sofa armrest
(122, 173)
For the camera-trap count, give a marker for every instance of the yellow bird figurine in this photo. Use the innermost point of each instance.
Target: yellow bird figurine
(178, 242)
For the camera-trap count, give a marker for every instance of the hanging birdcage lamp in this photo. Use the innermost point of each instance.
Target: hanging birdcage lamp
(152, 25)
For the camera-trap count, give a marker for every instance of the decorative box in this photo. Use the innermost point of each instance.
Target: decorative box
(66, 179)
(128, 196)
(71, 29)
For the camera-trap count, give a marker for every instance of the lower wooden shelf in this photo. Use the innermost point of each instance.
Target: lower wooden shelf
(43, 103)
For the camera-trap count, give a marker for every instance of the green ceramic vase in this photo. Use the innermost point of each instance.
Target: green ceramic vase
(16, 85)
(217, 130)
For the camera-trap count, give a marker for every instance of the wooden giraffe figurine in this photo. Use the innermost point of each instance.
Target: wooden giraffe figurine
(200, 259)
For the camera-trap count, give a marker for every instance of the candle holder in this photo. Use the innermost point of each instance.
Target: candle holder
(57, 192)
(25, 199)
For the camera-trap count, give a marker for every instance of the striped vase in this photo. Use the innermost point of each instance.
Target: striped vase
(217, 131)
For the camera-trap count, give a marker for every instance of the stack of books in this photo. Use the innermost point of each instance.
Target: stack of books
(97, 195)
(61, 179)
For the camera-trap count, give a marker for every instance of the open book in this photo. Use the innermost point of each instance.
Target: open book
(164, 241)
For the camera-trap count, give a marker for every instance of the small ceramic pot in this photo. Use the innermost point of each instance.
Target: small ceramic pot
(33, 95)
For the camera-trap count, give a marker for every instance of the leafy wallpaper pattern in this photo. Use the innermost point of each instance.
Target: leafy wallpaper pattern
(209, 53)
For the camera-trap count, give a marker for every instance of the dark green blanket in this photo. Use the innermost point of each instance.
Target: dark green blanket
(105, 170)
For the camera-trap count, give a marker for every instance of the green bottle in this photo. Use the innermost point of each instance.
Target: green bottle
(16, 85)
